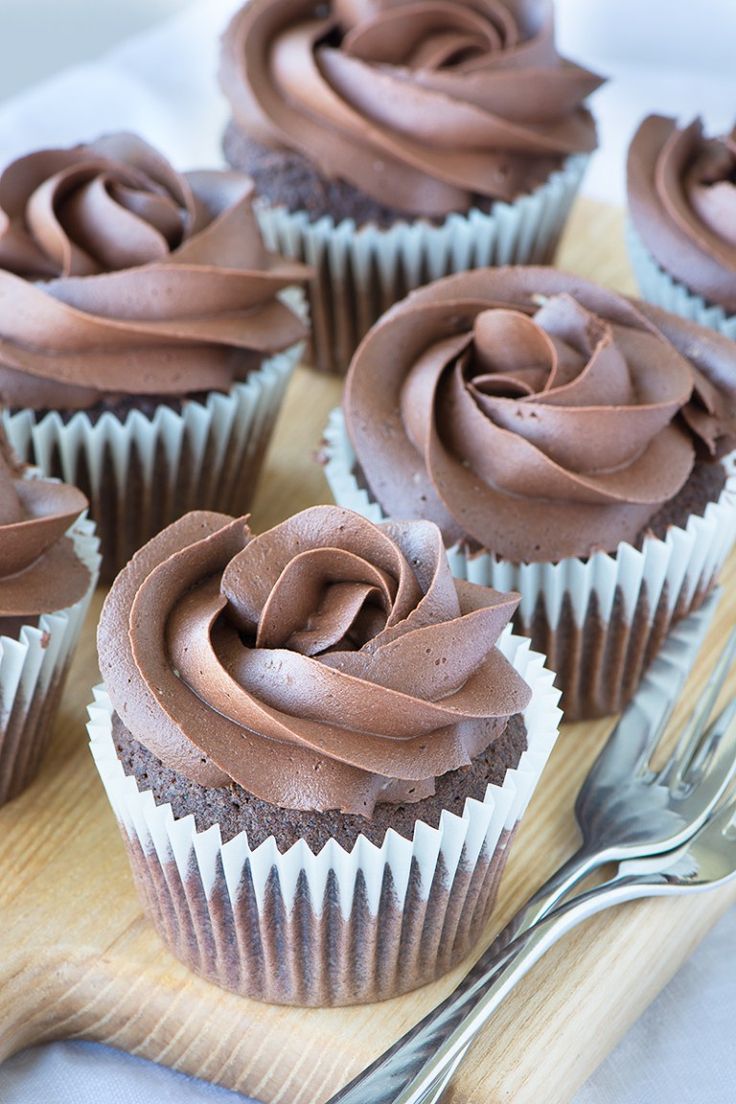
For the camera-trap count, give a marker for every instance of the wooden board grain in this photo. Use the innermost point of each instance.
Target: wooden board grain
(78, 958)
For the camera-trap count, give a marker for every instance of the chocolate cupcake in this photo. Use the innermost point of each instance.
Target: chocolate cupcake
(318, 745)
(392, 144)
(571, 444)
(682, 206)
(49, 564)
(147, 338)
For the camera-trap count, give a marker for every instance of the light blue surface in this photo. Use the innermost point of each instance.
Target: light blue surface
(87, 1073)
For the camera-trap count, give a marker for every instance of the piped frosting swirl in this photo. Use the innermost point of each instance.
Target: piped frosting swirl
(120, 276)
(40, 571)
(328, 663)
(423, 104)
(682, 200)
(535, 414)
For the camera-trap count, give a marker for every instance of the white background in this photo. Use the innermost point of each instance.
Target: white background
(672, 56)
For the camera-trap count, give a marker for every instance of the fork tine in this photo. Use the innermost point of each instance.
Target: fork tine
(645, 719)
(714, 743)
(704, 781)
(721, 823)
(689, 741)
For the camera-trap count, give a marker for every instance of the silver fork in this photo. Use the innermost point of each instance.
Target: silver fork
(624, 809)
(707, 860)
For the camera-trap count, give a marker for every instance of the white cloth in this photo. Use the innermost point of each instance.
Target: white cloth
(663, 56)
(659, 56)
(87, 1073)
(683, 1049)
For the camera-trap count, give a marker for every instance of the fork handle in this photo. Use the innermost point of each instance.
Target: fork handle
(435, 1093)
(565, 878)
(541, 903)
(432, 1079)
(397, 1064)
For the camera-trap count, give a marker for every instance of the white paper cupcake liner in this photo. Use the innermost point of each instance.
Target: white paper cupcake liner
(361, 271)
(661, 289)
(33, 668)
(338, 927)
(140, 473)
(599, 621)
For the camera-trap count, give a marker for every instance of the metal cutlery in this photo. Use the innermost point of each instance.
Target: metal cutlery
(707, 860)
(626, 810)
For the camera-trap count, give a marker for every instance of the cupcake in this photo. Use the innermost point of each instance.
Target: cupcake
(682, 208)
(147, 340)
(48, 569)
(570, 444)
(318, 746)
(394, 143)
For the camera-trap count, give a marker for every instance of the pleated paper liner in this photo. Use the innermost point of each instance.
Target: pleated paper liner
(140, 473)
(361, 271)
(338, 927)
(33, 670)
(599, 621)
(661, 289)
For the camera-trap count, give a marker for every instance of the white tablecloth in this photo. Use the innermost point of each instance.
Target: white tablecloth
(665, 55)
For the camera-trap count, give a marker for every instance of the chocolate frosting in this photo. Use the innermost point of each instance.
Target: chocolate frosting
(682, 199)
(119, 276)
(533, 413)
(423, 104)
(40, 571)
(327, 664)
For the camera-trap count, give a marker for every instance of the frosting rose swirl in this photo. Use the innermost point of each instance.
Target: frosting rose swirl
(534, 413)
(426, 103)
(682, 198)
(120, 276)
(327, 664)
(40, 571)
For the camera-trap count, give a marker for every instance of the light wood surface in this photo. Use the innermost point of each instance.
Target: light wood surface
(78, 958)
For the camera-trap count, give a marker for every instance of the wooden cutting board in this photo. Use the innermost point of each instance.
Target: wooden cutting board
(78, 958)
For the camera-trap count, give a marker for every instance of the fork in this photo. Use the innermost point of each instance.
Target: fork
(624, 809)
(707, 860)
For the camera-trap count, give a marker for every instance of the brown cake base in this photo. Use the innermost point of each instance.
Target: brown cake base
(368, 255)
(122, 406)
(314, 951)
(33, 671)
(311, 955)
(599, 664)
(129, 513)
(704, 485)
(206, 454)
(236, 810)
(288, 179)
(25, 737)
